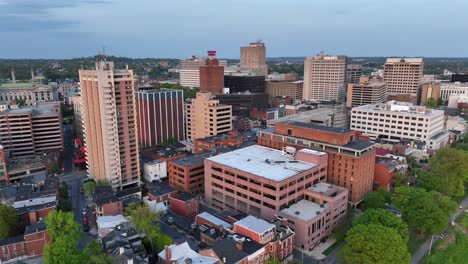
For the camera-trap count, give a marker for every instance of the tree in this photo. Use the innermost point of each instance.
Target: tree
(64, 234)
(376, 199)
(103, 182)
(427, 212)
(431, 102)
(92, 254)
(344, 225)
(448, 172)
(8, 220)
(369, 244)
(89, 187)
(294, 261)
(54, 168)
(145, 221)
(64, 205)
(399, 178)
(274, 261)
(384, 218)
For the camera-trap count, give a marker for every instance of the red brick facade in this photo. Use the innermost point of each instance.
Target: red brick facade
(36, 242)
(189, 208)
(212, 77)
(186, 179)
(382, 176)
(231, 139)
(111, 208)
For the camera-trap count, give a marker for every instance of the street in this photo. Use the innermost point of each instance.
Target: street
(73, 179)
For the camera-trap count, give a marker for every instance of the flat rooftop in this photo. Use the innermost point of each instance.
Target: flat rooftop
(319, 127)
(400, 108)
(192, 160)
(215, 220)
(255, 224)
(305, 210)
(264, 162)
(40, 108)
(325, 188)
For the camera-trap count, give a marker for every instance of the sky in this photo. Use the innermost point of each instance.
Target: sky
(181, 28)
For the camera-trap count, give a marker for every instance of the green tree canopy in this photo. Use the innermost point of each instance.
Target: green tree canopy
(89, 187)
(384, 218)
(374, 243)
(93, 254)
(8, 220)
(376, 199)
(431, 102)
(64, 233)
(448, 172)
(428, 212)
(146, 221)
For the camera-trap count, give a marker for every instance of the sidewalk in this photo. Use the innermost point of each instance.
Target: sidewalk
(316, 253)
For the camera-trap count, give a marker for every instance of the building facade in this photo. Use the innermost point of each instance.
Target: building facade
(3, 168)
(350, 160)
(160, 116)
(353, 73)
(447, 89)
(396, 121)
(77, 114)
(27, 92)
(324, 77)
(242, 103)
(110, 125)
(187, 174)
(253, 58)
(285, 88)
(189, 72)
(205, 117)
(30, 130)
(403, 75)
(212, 75)
(366, 91)
(429, 90)
(244, 83)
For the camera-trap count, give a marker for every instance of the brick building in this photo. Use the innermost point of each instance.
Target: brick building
(321, 210)
(212, 75)
(160, 116)
(230, 139)
(3, 168)
(186, 174)
(106, 203)
(350, 160)
(31, 244)
(292, 89)
(185, 204)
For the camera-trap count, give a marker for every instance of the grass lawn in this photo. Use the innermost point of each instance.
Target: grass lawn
(329, 250)
(415, 241)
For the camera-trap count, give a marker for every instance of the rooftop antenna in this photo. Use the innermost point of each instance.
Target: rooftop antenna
(13, 78)
(32, 75)
(104, 52)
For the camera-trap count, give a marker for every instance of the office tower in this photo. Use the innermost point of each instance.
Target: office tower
(189, 72)
(403, 75)
(242, 103)
(395, 121)
(109, 124)
(253, 58)
(245, 83)
(428, 90)
(367, 91)
(212, 75)
(285, 88)
(205, 117)
(459, 77)
(324, 77)
(350, 160)
(30, 130)
(353, 73)
(160, 116)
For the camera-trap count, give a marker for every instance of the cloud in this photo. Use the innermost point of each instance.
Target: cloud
(34, 15)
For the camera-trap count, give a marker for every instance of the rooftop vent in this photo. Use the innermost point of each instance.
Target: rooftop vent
(297, 213)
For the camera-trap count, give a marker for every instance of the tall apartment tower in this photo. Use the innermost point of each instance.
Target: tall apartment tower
(206, 117)
(189, 72)
(212, 75)
(369, 90)
(109, 124)
(160, 116)
(253, 58)
(403, 75)
(325, 77)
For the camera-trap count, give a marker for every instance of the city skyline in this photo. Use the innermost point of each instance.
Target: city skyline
(178, 29)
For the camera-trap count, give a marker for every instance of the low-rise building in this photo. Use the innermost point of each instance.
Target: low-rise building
(230, 139)
(105, 202)
(187, 174)
(183, 254)
(155, 170)
(185, 204)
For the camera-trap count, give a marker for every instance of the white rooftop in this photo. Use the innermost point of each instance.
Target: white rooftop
(34, 201)
(264, 162)
(304, 210)
(255, 224)
(182, 253)
(408, 60)
(321, 187)
(215, 220)
(110, 221)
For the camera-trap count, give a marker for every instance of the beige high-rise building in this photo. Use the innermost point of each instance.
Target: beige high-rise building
(367, 91)
(253, 58)
(206, 117)
(109, 124)
(403, 75)
(325, 77)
